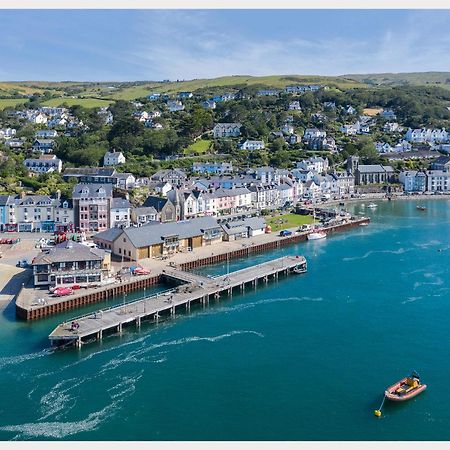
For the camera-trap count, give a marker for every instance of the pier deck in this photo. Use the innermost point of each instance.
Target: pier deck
(193, 289)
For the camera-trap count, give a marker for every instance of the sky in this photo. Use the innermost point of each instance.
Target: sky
(128, 45)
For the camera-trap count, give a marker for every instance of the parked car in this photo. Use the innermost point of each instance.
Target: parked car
(285, 233)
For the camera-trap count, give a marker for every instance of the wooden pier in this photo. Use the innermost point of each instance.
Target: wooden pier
(192, 289)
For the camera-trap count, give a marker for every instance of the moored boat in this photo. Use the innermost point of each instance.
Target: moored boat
(313, 236)
(405, 389)
(372, 206)
(421, 208)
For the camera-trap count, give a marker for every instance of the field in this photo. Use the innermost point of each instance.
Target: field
(441, 79)
(86, 102)
(199, 147)
(5, 102)
(371, 111)
(285, 221)
(274, 81)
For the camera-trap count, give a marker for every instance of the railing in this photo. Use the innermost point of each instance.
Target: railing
(126, 303)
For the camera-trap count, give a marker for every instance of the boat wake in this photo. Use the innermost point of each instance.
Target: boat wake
(15, 360)
(400, 251)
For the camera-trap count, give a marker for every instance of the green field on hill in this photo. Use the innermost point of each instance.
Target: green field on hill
(199, 147)
(86, 102)
(6, 102)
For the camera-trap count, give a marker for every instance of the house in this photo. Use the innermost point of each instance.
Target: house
(124, 180)
(15, 143)
(441, 163)
(293, 139)
(39, 119)
(383, 147)
(175, 177)
(46, 134)
(92, 206)
(413, 181)
(141, 116)
(388, 114)
(70, 263)
(154, 96)
(7, 133)
(311, 190)
(252, 145)
(163, 188)
(43, 145)
(209, 104)
(345, 183)
(98, 175)
(294, 106)
(350, 110)
(313, 133)
(185, 95)
(314, 163)
(141, 216)
(113, 158)
(329, 105)
(34, 212)
(120, 214)
(43, 164)
(175, 105)
(438, 180)
(106, 115)
(227, 96)
(419, 135)
(268, 93)
(322, 143)
(159, 239)
(225, 130)
(287, 128)
(392, 127)
(245, 228)
(213, 168)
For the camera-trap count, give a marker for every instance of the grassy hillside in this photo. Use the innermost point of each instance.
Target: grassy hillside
(86, 102)
(441, 79)
(273, 81)
(5, 102)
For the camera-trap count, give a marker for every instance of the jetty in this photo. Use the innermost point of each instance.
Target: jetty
(191, 289)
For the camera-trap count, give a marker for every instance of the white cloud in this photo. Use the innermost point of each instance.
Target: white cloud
(188, 44)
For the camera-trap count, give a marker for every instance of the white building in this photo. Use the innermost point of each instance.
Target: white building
(224, 130)
(313, 133)
(175, 105)
(120, 215)
(43, 164)
(413, 181)
(113, 159)
(294, 106)
(392, 127)
(252, 145)
(438, 181)
(314, 164)
(7, 133)
(427, 135)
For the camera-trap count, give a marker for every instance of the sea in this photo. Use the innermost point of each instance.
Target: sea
(306, 357)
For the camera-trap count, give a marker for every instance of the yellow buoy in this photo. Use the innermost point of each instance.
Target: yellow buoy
(377, 412)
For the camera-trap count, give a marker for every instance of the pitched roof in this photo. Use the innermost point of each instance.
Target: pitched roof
(154, 233)
(69, 251)
(93, 190)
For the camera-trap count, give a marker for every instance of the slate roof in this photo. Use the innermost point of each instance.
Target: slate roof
(69, 251)
(154, 233)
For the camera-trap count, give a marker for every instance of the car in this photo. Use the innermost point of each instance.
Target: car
(284, 233)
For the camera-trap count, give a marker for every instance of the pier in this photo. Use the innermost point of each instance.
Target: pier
(191, 289)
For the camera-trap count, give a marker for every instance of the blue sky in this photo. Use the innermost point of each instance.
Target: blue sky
(117, 45)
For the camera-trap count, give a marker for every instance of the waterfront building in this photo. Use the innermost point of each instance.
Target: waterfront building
(43, 164)
(92, 206)
(159, 239)
(413, 181)
(70, 263)
(241, 229)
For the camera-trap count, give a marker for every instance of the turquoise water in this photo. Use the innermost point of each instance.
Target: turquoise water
(305, 358)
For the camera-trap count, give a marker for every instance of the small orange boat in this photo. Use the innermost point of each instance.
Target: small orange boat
(405, 389)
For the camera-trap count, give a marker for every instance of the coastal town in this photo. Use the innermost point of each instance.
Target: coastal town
(76, 226)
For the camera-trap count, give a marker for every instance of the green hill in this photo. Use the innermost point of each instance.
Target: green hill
(441, 79)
